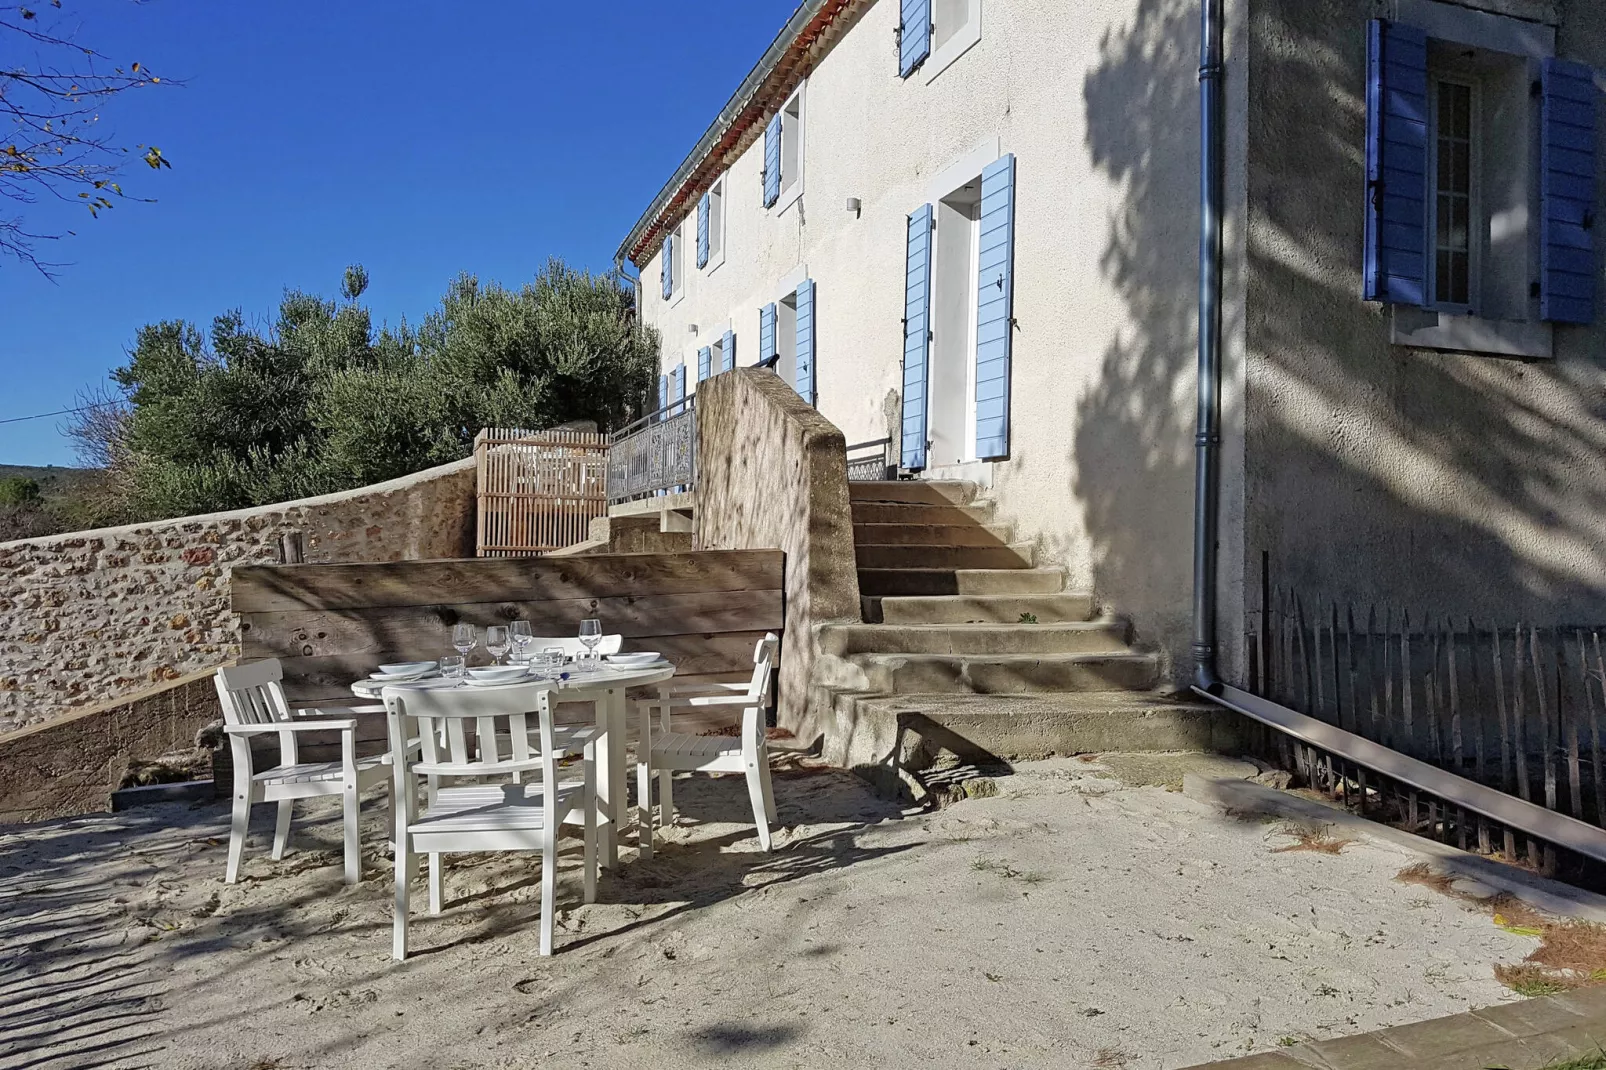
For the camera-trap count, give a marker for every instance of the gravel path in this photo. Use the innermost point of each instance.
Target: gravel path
(1070, 921)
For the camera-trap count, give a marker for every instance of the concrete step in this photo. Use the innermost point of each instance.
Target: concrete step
(965, 534)
(977, 608)
(869, 512)
(999, 674)
(1081, 637)
(938, 581)
(917, 491)
(927, 557)
(919, 731)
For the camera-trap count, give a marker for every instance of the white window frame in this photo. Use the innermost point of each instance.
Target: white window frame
(1475, 205)
(716, 225)
(677, 265)
(792, 184)
(958, 42)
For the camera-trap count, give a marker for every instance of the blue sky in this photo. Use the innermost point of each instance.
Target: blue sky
(421, 140)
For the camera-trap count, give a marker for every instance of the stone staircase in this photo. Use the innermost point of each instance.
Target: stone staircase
(971, 653)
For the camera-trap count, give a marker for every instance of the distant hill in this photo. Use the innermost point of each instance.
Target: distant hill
(61, 506)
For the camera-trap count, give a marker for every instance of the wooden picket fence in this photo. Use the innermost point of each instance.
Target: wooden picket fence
(1516, 706)
(538, 490)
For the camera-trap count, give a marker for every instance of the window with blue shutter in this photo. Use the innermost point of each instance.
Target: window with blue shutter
(702, 232)
(805, 379)
(666, 269)
(1567, 193)
(995, 293)
(663, 396)
(766, 334)
(1395, 269)
(916, 336)
(705, 363)
(727, 352)
(914, 35)
(677, 389)
(772, 161)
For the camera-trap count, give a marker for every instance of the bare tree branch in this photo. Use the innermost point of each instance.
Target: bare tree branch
(52, 92)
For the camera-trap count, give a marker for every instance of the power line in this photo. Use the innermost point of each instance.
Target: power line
(44, 415)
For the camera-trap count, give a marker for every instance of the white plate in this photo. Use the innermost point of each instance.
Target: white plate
(397, 677)
(406, 668)
(499, 681)
(501, 672)
(644, 657)
(638, 666)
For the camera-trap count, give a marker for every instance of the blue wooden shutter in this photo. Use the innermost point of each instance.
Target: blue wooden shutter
(666, 269)
(772, 161)
(1396, 257)
(702, 232)
(914, 35)
(663, 396)
(766, 334)
(916, 337)
(677, 388)
(727, 352)
(804, 380)
(995, 293)
(705, 363)
(1567, 193)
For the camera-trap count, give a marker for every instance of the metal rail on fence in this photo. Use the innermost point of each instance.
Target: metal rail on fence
(871, 460)
(657, 453)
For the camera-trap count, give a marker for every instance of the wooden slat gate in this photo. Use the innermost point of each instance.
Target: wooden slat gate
(538, 490)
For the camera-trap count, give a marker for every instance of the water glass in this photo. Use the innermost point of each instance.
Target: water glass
(464, 639)
(452, 668)
(547, 663)
(522, 637)
(497, 642)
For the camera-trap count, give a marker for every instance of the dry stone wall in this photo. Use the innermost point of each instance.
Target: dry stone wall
(94, 616)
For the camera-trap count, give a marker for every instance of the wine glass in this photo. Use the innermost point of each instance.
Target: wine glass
(464, 639)
(496, 641)
(590, 635)
(522, 637)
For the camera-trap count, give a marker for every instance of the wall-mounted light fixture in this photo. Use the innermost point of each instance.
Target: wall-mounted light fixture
(692, 328)
(855, 206)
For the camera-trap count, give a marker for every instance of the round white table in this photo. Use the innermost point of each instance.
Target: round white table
(605, 690)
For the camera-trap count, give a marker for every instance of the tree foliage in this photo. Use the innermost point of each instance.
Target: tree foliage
(52, 90)
(323, 401)
(19, 490)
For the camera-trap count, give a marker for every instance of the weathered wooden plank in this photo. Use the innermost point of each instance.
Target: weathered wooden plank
(732, 652)
(282, 588)
(386, 631)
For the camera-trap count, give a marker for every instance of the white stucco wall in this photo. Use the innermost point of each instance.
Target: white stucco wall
(1100, 108)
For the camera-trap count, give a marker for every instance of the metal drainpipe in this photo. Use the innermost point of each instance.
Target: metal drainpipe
(1207, 441)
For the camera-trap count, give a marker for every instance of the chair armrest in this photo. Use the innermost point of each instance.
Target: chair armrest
(343, 724)
(697, 689)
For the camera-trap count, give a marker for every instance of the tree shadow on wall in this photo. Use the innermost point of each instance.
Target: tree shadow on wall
(1442, 482)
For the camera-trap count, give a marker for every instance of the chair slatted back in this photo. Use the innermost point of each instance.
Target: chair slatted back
(254, 694)
(572, 647)
(765, 653)
(501, 721)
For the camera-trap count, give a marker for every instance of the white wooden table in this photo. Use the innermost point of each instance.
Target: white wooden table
(605, 689)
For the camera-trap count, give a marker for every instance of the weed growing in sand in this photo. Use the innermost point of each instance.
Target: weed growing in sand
(1312, 838)
(1027, 618)
(1007, 871)
(1571, 954)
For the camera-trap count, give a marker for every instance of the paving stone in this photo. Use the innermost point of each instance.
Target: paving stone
(1363, 1052)
(1441, 1036)
(1530, 1016)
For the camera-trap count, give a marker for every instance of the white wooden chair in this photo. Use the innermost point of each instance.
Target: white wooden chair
(572, 647)
(669, 751)
(253, 703)
(506, 816)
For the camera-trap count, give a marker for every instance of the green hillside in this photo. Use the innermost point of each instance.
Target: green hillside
(61, 505)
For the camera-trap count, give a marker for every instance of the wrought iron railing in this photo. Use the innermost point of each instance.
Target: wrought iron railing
(871, 460)
(656, 454)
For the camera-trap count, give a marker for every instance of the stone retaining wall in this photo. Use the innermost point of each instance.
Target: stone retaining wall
(90, 617)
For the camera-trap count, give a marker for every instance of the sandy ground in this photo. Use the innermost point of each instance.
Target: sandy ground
(1070, 921)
